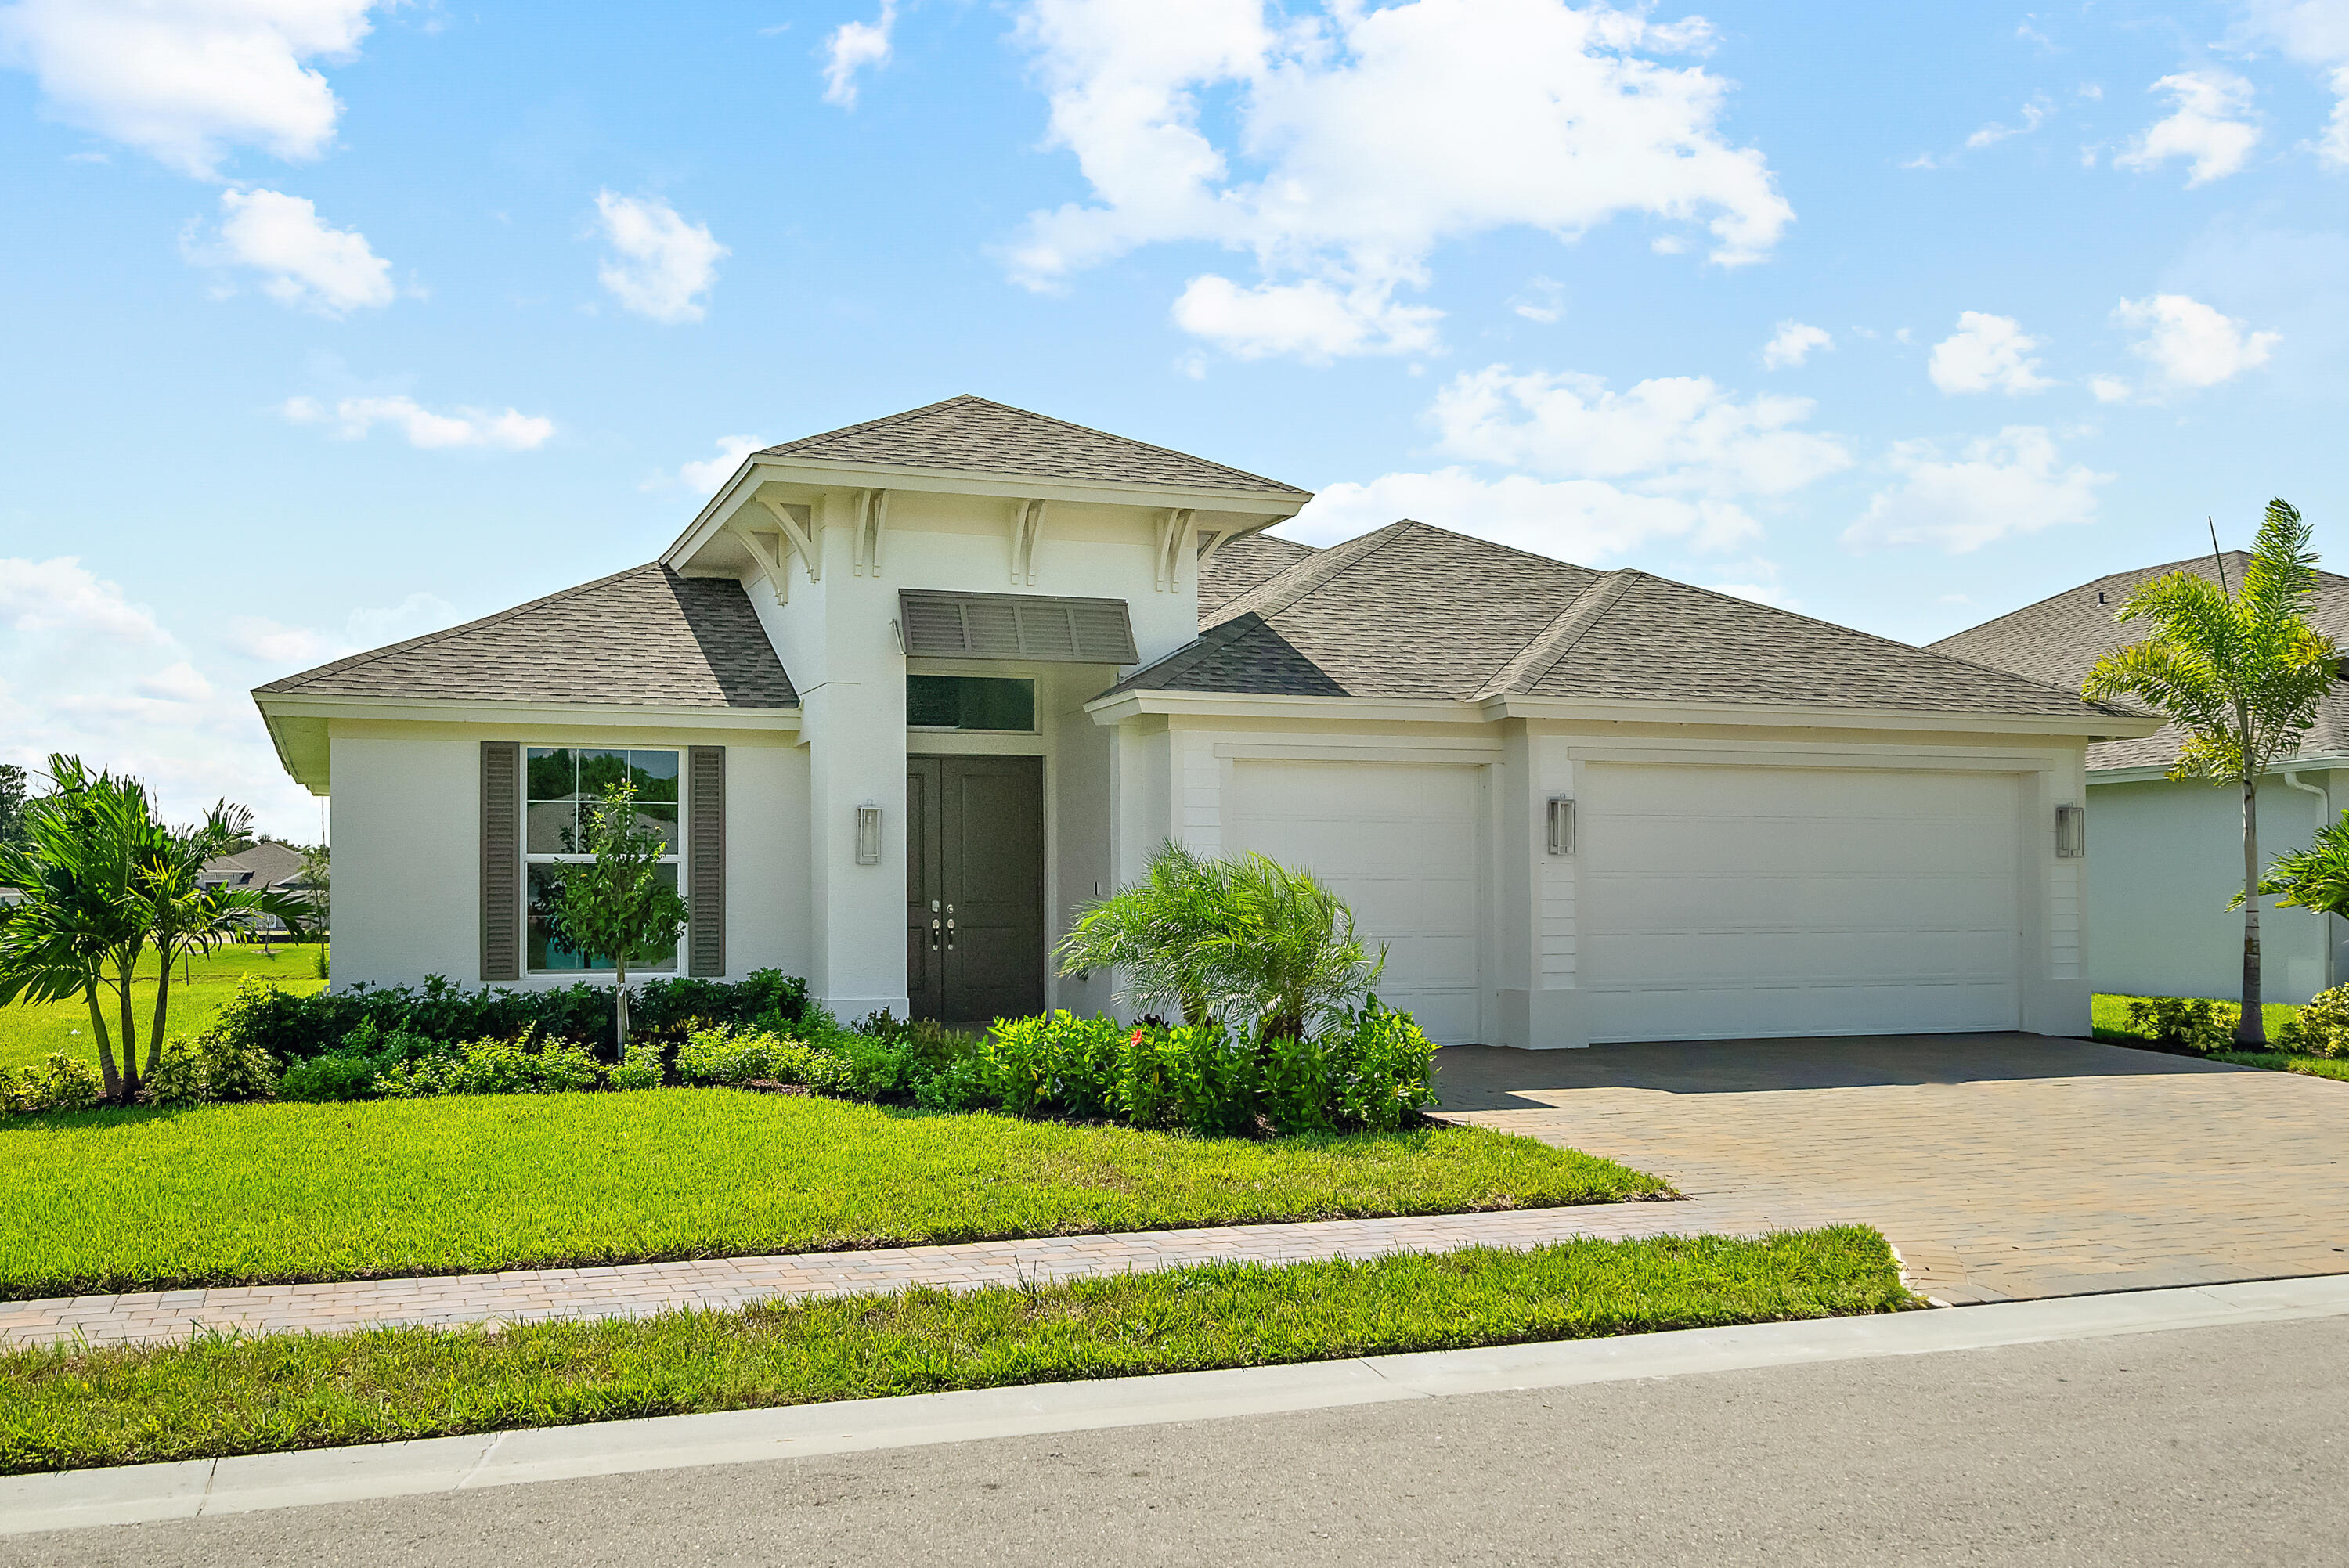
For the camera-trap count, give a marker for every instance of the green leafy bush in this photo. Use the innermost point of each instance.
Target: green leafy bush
(211, 1070)
(1381, 1068)
(2322, 1028)
(638, 1067)
(61, 1083)
(2185, 1022)
(716, 1054)
(1054, 1062)
(491, 1067)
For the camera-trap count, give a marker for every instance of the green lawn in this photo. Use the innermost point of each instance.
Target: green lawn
(62, 1408)
(2111, 1022)
(29, 1033)
(146, 1200)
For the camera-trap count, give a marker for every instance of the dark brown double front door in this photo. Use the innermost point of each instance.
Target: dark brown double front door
(974, 886)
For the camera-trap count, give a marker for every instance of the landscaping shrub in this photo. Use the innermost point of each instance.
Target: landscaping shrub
(2185, 1022)
(211, 1070)
(491, 1067)
(1381, 1068)
(292, 1028)
(716, 1054)
(1056, 1061)
(638, 1067)
(2321, 1028)
(61, 1083)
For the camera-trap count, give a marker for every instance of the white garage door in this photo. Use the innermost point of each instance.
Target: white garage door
(1720, 903)
(1398, 842)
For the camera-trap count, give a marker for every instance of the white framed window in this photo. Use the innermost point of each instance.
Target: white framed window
(560, 787)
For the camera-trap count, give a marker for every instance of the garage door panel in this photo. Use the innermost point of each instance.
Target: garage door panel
(1399, 843)
(1721, 903)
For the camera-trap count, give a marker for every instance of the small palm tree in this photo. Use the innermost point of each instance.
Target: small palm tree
(1152, 934)
(80, 927)
(2241, 673)
(186, 917)
(2315, 878)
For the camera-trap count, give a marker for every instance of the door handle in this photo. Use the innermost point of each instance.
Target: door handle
(950, 934)
(934, 936)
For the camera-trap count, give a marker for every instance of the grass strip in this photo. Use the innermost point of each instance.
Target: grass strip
(2286, 1062)
(66, 1409)
(106, 1201)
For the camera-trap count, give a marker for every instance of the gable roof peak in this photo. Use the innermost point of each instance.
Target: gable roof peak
(977, 435)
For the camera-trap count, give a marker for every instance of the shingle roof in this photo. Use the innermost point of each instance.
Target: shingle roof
(2059, 639)
(643, 636)
(974, 436)
(1411, 610)
(1247, 562)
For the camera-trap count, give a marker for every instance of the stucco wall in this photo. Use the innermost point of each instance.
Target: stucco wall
(407, 894)
(2165, 858)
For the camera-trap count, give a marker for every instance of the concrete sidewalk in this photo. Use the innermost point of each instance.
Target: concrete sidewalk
(212, 1488)
(641, 1290)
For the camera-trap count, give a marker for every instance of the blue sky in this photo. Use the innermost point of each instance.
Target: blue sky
(328, 322)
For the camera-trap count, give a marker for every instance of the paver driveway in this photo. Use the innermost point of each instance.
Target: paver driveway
(2001, 1166)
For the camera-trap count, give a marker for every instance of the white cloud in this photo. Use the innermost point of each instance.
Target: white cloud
(2314, 33)
(2209, 124)
(1543, 301)
(2111, 389)
(83, 670)
(272, 642)
(1987, 353)
(2011, 483)
(1584, 520)
(2191, 344)
(284, 647)
(856, 47)
(353, 418)
(1793, 344)
(187, 80)
(1361, 138)
(372, 627)
(1310, 320)
(304, 264)
(2034, 114)
(663, 264)
(1674, 435)
(707, 474)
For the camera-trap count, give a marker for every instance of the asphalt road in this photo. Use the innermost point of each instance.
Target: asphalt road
(2201, 1446)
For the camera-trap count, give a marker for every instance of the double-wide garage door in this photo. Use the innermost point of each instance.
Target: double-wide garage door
(1398, 842)
(1709, 902)
(1721, 903)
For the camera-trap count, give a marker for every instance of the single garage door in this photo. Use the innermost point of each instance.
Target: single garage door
(1398, 842)
(1721, 902)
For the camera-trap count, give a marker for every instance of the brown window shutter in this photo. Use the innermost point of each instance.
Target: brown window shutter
(705, 855)
(501, 861)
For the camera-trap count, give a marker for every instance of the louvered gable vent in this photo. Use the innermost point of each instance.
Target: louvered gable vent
(944, 625)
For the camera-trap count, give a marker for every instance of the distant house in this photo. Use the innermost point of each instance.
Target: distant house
(2168, 856)
(268, 865)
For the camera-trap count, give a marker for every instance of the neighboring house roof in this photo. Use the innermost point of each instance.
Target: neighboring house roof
(1246, 562)
(2058, 640)
(644, 636)
(266, 864)
(971, 435)
(1415, 612)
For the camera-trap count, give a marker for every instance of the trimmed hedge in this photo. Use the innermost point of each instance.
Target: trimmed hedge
(293, 1029)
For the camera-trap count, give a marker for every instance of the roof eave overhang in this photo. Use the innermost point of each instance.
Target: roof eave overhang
(1115, 707)
(2159, 772)
(298, 723)
(2088, 726)
(1262, 507)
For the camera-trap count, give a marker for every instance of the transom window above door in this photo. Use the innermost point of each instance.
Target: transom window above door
(970, 701)
(561, 786)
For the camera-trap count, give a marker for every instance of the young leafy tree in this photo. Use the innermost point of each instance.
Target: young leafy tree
(12, 803)
(2241, 673)
(617, 906)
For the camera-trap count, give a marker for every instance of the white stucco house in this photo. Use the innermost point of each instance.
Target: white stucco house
(2168, 854)
(908, 693)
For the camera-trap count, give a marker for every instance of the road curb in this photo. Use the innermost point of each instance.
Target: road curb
(193, 1488)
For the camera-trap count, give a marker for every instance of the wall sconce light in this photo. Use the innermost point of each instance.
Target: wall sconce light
(1561, 824)
(868, 834)
(2071, 831)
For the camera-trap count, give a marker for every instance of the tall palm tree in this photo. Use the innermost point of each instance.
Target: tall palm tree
(2241, 673)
